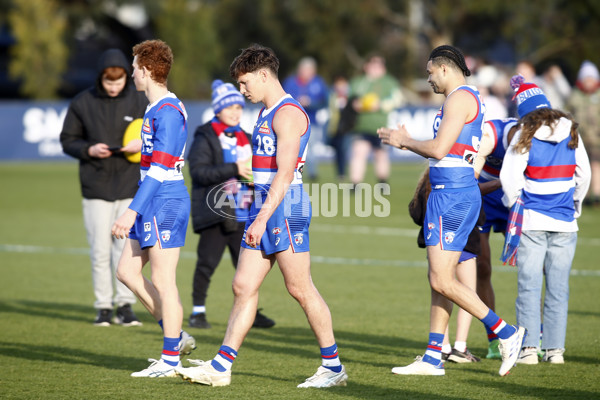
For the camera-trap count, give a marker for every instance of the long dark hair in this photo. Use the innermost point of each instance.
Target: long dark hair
(531, 122)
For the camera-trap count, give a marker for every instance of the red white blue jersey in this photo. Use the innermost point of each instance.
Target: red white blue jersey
(498, 129)
(549, 182)
(455, 170)
(264, 144)
(164, 137)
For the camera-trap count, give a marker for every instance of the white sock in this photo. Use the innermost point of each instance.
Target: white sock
(460, 346)
(447, 349)
(199, 310)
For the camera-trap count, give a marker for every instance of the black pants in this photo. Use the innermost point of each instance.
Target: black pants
(211, 246)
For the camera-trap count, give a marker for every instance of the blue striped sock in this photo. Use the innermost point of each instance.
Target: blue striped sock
(224, 359)
(498, 326)
(330, 358)
(433, 354)
(490, 334)
(170, 353)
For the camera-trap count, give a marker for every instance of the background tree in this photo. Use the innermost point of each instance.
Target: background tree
(207, 34)
(188, 27)
(39, 56)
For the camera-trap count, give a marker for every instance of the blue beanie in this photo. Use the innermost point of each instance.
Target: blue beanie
(224, 95)
(529, 96)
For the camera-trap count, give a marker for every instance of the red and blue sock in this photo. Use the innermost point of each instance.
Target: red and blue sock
(491, 335)
(433, 354)
(498, 326)
(224, 359)
(170, 353)
(330, 358)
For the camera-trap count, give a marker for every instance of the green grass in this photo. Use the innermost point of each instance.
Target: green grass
(369, 270)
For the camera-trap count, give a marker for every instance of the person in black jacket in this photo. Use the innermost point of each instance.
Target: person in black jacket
(93, 132)
(220, 154)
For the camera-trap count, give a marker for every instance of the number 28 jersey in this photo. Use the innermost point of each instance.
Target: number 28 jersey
(264, 144)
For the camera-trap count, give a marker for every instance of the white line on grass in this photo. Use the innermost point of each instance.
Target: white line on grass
(403, 232)
(371, 262)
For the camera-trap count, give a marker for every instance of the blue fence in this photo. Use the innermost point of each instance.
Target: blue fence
(30, 130)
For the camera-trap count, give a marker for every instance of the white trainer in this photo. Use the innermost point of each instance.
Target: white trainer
(204, 373)
(554, 356)
(529, 356)
(187, 343)
(420, 367)
(157, 369)
(324, 377)
(510, 349)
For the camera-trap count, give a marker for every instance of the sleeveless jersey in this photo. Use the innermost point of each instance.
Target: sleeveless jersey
(164, 137)
(549, 182)
(498, 128)
(455, 170)
(264, 145)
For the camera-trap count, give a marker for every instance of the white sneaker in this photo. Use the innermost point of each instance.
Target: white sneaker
(187, 343)
(554, 356)
(510, 349)
(529, 355)
(420, 367)
(324, 377)
(158, 369)
(204, 373)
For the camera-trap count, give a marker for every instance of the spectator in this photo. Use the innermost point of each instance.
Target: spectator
(220, 154)
(310, 90)
(584, 103)
(552, 82)
(341, 120)
(376, 94)
(93, 132)
(547, 169)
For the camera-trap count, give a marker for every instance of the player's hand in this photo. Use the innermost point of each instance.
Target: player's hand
(254, 233)
(244, 168)
(123, 224)
(133, 146)
(99, 150)
(394, 137)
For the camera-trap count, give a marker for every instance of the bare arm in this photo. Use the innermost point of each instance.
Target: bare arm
(486, 147)
(459, 108)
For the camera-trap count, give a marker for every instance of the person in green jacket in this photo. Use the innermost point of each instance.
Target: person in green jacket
(375, 94)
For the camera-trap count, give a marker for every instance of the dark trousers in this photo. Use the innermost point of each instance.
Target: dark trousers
(211, 246)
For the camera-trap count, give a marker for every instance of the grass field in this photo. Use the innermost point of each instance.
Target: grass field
(369, 270)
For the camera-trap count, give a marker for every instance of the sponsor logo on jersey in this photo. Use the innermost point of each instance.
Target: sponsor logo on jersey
(165, 235)
(428, 235)
(469, 157)
(449, 237)
(147, 237)
(298, 238)
(430, 226)
(147, 226)
(277, 241)
(146, 126)
(264, 128)
(276, 231)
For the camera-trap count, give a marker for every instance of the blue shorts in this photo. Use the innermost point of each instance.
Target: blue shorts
(288, 226)
(451, 216)
(465, 256)
(165, 221)
(496, 214)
